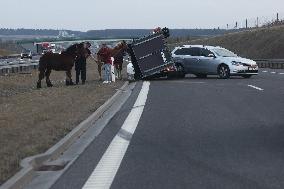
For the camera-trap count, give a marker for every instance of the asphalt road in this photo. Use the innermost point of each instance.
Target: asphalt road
(197, 133)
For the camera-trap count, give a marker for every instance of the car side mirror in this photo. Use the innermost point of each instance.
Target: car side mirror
(211, 56)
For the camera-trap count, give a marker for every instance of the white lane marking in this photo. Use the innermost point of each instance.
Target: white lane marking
(260, 89)
(264, 71)
(281, 73)
(104, 173)
(273, 72)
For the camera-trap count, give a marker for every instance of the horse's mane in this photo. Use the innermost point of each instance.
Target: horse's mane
(71, 49)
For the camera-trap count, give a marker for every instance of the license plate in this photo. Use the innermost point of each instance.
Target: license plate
(251, 68)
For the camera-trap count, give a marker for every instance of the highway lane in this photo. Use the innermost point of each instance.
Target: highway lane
(198, 133)
(208, 134)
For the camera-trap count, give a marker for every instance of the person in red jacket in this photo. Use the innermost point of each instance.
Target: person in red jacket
(104, 55)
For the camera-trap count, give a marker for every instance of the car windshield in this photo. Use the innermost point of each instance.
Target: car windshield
(224, 53)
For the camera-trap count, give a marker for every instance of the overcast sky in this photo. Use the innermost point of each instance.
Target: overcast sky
(105, 14)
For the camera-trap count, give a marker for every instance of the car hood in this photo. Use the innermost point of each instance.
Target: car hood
(246, 61)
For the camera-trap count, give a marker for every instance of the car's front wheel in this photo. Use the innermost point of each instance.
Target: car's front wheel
(223, 71)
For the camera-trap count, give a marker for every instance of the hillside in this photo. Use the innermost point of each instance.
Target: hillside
(107, 33)
(262, 43)
(8, 48)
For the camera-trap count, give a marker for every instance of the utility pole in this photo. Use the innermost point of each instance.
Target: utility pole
(257, 22)
(246, 23)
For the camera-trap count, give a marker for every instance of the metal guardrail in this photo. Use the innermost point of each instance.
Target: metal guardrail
(270, 63)
(18, 67)
(10, 56)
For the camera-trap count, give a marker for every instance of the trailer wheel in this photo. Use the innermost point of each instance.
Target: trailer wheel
(180, 71)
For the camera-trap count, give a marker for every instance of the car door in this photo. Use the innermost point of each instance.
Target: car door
(181, 57)
(208, 63)
(192, 58)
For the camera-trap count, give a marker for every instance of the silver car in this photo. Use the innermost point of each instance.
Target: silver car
(209, 60)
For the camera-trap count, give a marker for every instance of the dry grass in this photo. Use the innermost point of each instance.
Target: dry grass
(262, 43)
(31, 120)
(4, 52)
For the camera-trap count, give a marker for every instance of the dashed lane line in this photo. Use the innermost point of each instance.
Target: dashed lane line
(257, 88)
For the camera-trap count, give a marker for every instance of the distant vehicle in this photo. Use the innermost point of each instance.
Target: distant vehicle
(45, 47)
(26, 54)
(209, 60)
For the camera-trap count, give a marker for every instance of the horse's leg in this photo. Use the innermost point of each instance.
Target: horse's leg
(100, 70)
(40, 77)
(67, 81)
(47, 74)
(69, 78)
(120, 70)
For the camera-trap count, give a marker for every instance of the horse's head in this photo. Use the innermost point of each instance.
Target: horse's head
(123, 45)
(120, 47)
(72, 50)
(76, 50)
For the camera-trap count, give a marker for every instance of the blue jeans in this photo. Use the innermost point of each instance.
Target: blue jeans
(106, 71)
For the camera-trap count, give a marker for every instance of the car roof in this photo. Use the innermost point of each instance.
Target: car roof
(201, 46)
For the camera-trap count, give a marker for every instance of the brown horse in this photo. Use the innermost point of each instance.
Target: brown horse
(121, 47)
(118, 61)
(59, 62)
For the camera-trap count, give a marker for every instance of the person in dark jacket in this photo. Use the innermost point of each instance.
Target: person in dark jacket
(80, 64)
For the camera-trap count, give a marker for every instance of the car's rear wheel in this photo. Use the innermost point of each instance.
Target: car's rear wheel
(246, 76)
(223, 71)
(201, 75)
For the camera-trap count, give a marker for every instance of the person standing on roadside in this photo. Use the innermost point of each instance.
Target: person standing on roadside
(105, 56)
(81, 63)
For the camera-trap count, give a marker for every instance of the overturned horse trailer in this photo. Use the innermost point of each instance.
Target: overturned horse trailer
(150, 55)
